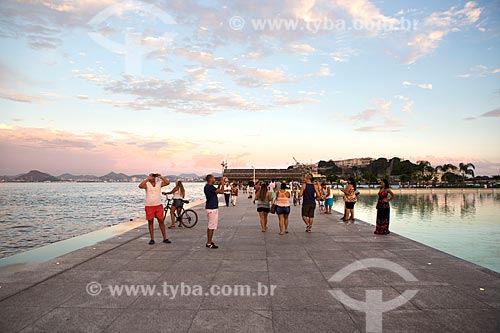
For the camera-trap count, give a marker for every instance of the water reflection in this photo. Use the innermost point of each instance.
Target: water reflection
(468, 206)
(466, 224)
(425, 206)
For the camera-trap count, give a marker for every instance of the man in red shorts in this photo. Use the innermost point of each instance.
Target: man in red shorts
(154, 208)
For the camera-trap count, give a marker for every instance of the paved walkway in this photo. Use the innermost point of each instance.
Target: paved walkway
(453, 295)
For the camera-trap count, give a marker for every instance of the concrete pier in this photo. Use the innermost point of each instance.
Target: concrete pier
(58, 296)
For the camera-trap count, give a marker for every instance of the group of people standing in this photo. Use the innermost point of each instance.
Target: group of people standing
(385, 195)
(275, 197)
(267, 195)
(272, 197)
(313, 193)
(230, 193)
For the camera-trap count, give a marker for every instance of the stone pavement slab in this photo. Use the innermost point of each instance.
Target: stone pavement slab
(453, 295)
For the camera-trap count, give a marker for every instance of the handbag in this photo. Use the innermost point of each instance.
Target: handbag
(272, 210)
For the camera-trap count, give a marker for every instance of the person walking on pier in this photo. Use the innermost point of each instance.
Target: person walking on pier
(349, 199)
(283, 207)
(263, 198)
(234, 194)
(321, 198)
(212, 207)
(385, 195)
(227, 192)
(309, 192)
(328, 195)
(277, 188)
(272, 186)
(154, 207)
(251, 185)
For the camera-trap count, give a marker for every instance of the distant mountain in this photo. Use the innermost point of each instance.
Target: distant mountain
(36, 176)
(140, 177)
(68, 176)
(188, 175)
(115, 177)
(120, 177)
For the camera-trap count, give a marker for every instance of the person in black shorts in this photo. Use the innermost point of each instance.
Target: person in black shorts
(309, 192)
(263, 198)
(350, 199)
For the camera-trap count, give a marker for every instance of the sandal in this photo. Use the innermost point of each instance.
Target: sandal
(171, 226)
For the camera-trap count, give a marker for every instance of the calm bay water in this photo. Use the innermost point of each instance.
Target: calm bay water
(37, 214)
(466, 225)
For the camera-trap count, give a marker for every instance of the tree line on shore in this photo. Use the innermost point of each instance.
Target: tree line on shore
(404, 171)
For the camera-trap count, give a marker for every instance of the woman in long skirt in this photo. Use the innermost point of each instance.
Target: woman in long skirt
(385, 195)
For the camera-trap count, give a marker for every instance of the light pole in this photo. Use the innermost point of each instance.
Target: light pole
(253, 174)
(224, 167)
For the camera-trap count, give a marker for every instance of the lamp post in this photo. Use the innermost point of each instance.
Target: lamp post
(253, 174)
(224, 167)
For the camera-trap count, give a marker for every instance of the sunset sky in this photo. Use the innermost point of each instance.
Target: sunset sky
(93, 86)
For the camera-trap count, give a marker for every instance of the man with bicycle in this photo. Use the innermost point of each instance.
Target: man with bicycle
(154, 207)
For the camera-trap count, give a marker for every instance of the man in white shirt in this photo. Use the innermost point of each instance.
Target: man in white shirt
(272, 186)
(154, 207)
(227, 192)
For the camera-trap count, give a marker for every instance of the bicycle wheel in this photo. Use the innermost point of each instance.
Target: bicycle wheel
(189, 218)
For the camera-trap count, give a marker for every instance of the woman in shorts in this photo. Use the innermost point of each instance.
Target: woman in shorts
(283, 207)
(349, 199)
(179, 194)
(328, 194)
(263, 198)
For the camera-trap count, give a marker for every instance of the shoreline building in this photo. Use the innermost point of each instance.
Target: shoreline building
(295, 172)
(245, 175)
(354, 162)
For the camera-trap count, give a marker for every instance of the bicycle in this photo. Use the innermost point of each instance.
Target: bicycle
(187, 218)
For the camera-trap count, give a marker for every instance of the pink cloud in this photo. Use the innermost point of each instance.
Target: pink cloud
(58, 151)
